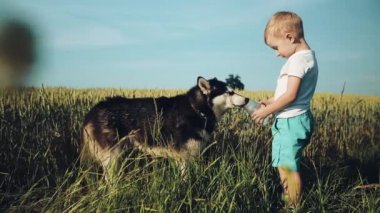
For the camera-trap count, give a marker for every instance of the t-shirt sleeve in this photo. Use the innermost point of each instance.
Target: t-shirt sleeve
(298, 67)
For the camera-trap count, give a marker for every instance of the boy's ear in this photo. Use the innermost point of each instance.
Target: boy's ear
(290, 37)
(204, 85)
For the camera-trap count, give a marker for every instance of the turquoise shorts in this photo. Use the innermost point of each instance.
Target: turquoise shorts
(290, 137)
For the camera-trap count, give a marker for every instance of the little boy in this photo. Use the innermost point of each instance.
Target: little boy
(296, 84)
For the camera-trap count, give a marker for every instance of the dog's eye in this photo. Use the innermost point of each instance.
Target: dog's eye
(230, 93)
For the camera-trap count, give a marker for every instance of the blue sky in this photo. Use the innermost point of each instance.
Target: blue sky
(167, 44)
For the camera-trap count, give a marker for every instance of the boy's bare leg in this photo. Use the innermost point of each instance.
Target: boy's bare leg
(295, 188)
(292, 185)
(283, 177)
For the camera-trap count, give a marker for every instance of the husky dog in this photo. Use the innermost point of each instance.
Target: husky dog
(176, 127)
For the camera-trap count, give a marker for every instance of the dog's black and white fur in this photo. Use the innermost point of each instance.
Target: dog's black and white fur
(176, 127)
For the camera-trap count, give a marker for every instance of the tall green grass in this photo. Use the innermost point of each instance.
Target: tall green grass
(40, 172)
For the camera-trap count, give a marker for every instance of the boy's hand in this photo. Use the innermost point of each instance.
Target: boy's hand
(259, 115)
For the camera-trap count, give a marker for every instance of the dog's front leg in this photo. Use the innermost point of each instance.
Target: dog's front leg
(183, 166)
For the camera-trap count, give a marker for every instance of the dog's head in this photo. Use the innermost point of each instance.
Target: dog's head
(219, 96)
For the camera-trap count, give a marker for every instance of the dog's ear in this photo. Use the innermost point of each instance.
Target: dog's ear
(204, 85)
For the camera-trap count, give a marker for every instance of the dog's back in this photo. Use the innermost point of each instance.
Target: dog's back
(170, 118)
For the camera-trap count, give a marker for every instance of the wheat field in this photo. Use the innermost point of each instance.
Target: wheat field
(40, 169)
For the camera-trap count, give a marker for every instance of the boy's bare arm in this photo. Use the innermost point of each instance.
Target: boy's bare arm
(267, 101)
(284, 100)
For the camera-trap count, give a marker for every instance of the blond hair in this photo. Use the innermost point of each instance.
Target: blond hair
(284, 22)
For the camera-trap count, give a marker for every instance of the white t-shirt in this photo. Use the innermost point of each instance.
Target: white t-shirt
(301, 64)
